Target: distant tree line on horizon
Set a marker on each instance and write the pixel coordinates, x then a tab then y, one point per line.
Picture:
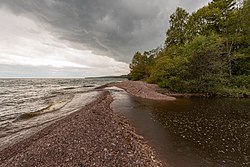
207	51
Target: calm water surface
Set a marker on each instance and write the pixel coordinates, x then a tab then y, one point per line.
192	132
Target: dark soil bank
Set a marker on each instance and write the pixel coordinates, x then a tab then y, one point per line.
93	136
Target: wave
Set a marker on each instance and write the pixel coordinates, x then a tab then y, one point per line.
48	109
69	88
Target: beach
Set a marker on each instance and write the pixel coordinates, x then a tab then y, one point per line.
92	136
140	89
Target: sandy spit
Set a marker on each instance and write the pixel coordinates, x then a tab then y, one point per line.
92	136
140	89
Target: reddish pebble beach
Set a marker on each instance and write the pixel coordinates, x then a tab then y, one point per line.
92	136
141	89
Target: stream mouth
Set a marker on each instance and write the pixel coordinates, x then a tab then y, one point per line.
191	132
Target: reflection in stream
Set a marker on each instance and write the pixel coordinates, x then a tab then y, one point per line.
192	132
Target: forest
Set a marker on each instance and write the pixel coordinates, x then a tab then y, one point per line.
207	51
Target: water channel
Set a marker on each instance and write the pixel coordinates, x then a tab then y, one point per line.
191	132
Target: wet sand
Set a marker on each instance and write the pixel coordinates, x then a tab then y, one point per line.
140	89
92	136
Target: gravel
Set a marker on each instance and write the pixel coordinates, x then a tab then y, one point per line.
92	136
141	89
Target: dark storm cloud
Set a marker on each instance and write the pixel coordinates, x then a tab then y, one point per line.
114	28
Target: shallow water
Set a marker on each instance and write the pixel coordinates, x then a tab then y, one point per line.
192	132
28	105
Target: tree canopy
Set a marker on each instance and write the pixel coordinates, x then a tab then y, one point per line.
207	51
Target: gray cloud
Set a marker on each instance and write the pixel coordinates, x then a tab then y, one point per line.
114	28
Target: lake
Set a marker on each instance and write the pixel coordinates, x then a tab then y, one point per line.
28	105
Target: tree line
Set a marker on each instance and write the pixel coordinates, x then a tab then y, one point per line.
207	51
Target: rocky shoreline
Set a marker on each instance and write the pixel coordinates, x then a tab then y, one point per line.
92	136
140	89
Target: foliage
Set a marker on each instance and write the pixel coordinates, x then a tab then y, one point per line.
176	34
141	65
207	51
206	65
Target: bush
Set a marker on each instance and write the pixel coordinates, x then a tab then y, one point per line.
241	81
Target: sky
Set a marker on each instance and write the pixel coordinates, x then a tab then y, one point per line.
80	38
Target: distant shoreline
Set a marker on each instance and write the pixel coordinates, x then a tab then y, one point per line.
105	77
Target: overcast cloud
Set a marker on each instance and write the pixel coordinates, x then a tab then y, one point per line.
80	37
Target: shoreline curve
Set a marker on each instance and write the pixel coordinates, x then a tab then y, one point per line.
140	89
92	136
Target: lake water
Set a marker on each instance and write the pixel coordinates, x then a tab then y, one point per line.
28	105
191	132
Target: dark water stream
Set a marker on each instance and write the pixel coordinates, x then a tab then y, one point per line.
192	132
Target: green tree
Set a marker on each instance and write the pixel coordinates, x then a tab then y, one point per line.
137	67
207	68
176	34
210	19
169	72
206	52
140	66
241	64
